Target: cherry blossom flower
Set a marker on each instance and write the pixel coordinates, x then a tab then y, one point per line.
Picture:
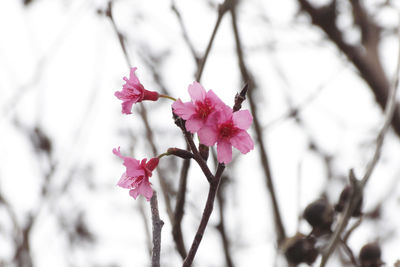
134	92
227	129
197	111
136	177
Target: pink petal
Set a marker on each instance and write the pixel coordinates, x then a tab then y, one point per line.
125	181
242	119
224	152
127	107
212	119
184	110
133	168
194	124
196	92
117	152
146	190
208	135
224	113
134	192
243	142
214	99
143	189
132	76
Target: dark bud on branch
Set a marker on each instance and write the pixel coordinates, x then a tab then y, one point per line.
300	249
370	255
204	151
344	198
319	214
180	153
240	97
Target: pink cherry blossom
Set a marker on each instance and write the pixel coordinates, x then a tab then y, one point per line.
134	92
136	177
227	129
197	111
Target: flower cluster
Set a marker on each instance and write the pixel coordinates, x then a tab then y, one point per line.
215	122
209	117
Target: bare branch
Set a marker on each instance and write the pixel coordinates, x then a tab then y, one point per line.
157	226
257	126
359	185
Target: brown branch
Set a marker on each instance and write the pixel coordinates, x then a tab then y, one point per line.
359	185
257	126
349	253
215	180
157	226
221	225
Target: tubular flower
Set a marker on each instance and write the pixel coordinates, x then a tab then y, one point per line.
136	177
134	92
197	111
227	129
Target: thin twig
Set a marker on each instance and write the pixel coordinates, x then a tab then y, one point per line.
179	210
257	126
206	216
157	226
359	185
221	12
184	32
221	226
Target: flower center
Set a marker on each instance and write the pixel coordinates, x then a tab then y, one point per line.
135	91
136	181
203	109
227	130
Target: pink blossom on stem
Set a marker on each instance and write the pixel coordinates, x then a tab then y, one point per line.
197	111
136	177
227	129
134	92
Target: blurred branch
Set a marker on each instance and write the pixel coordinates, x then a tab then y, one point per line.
257	126
157	226
179	209
185	33
214	183
150	136
164	186
222	9
221	225
214	180
365	59
359	185
146	225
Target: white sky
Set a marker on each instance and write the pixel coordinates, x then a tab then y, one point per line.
60	64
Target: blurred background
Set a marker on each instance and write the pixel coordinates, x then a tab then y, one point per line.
318	73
